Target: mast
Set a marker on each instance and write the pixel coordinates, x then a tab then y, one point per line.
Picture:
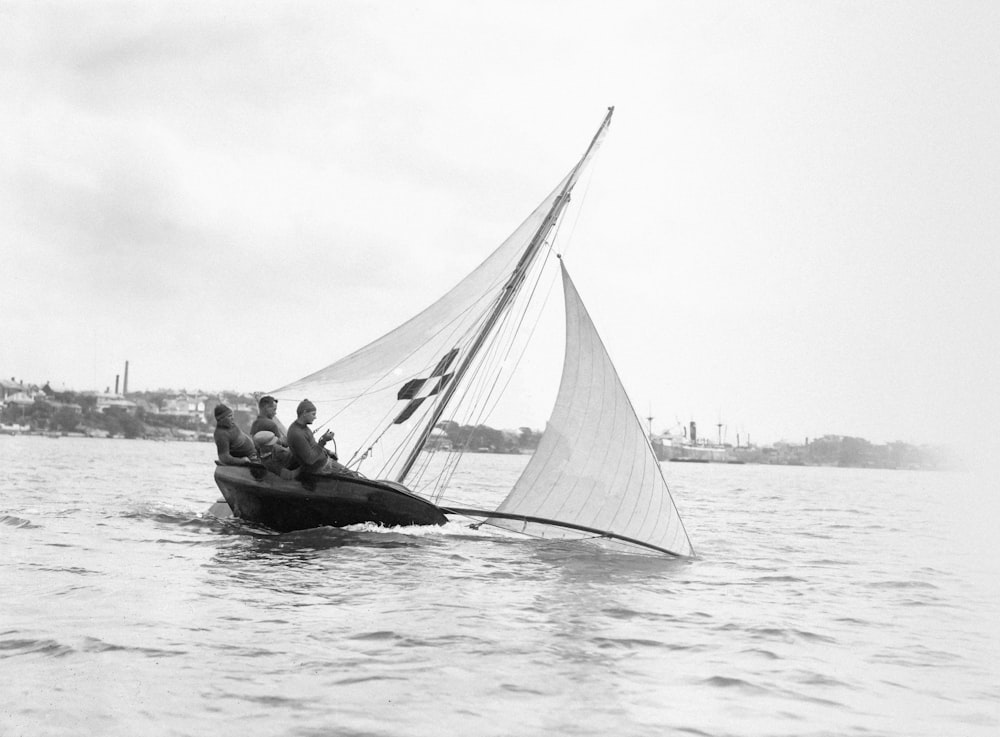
510	291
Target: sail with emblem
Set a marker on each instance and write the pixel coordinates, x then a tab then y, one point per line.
594	474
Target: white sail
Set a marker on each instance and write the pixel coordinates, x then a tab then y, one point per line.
384	399
594	473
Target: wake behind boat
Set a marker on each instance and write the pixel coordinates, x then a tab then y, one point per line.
594	475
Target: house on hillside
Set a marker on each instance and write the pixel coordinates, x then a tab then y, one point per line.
184	405
106	401
9	387
438	440
72	407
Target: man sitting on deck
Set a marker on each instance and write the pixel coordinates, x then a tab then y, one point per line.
235	446
310	453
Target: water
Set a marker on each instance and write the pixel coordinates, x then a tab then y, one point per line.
822	602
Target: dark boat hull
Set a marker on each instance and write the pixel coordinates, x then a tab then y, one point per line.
328	501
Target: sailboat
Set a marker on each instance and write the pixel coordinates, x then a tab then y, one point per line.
594	475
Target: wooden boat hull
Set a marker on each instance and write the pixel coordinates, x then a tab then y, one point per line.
328	501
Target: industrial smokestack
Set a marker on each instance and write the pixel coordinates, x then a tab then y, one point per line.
116	383
125	383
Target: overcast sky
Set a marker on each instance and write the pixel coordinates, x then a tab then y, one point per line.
792	227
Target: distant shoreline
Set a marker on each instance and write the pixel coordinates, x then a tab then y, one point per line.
741	456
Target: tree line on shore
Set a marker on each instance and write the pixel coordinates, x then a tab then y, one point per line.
853	452
80	412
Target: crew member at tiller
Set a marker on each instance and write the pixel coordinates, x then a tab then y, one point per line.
309	452
235	446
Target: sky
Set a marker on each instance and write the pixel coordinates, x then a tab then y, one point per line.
791	229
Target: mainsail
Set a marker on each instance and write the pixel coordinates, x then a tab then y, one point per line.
594	472
386	398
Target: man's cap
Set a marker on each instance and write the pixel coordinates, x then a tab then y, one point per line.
220	410
266	399
264	437
304	406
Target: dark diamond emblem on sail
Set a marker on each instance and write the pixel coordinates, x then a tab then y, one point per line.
417	390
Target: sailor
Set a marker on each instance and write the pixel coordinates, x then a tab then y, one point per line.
275	457
267	407
235	446
310	453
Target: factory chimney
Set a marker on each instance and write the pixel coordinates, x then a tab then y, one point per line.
125	382
116	383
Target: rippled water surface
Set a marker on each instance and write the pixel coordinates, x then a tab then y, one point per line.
822	602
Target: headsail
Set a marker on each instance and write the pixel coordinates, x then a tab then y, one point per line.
594	471
385	398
